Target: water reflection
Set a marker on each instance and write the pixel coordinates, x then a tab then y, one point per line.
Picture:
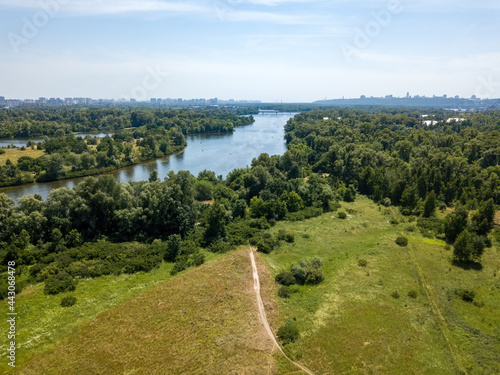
220	153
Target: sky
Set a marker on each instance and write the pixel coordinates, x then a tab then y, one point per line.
269	50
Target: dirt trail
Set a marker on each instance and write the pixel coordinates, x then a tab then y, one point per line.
262	313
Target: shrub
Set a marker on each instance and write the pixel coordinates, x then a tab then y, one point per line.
173	248
179	265
465	294
266	244
219	247
62	282
284	292
341	215
68	301
283	236
402	241
395	294
285	278
386	202
362	262
412	294
288	332
196	260
308	271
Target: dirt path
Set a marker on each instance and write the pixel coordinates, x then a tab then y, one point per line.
263	317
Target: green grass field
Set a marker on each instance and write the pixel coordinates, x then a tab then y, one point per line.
351	324
205	320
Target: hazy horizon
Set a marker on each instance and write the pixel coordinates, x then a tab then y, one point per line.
268	50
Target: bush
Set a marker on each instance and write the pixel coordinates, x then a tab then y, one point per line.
285	278
395	294
412	294
362	262
465	294
304	214
402	241
341	215
308	271
196	260
62	282
68	301
288	332
219	247
179	266
287	237
266	244
284	292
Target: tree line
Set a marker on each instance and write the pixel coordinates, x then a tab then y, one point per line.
332	156
70	156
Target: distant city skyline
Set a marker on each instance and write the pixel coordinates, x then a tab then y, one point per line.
271	50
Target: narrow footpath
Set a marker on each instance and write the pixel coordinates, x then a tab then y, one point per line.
263	317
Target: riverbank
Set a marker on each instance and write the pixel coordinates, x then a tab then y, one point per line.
218	152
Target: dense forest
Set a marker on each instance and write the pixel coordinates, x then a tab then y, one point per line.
332	156
43	121
140	135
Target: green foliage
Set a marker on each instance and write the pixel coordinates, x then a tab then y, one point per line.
466	294
285	278
266	244
430	227
59	283
342	215
412	294
402	241
68	301
287	237
288	332
468	247
173	248
304	214
430	205
395	295
308	271
284	292
454	224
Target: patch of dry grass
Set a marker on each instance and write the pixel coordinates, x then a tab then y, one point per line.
13	154
203	321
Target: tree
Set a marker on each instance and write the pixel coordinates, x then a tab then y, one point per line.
288	332
216	222
173	248
483	220
454	224
468	247
430	205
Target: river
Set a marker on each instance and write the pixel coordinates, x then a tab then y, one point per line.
220	153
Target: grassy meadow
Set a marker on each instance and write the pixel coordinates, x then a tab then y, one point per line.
205	320
13	154
352	324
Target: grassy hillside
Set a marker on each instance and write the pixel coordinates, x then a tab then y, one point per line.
351	323
203	321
